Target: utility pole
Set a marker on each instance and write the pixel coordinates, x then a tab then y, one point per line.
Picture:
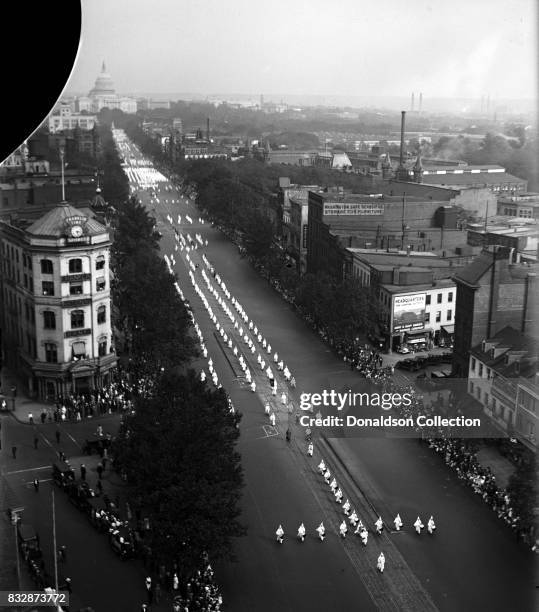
54	544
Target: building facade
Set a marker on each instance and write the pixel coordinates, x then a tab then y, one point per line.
494	291
56	304
502	377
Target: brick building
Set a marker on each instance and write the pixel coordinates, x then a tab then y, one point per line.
494	291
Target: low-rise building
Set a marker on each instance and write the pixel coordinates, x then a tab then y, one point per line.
63	118
522	205
503	378
496	290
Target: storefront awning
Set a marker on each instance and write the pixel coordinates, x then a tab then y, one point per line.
418	332
448	329
416	340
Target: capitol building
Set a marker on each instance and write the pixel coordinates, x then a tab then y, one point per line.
103	95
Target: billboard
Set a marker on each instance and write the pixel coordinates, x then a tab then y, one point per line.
409	312
353	208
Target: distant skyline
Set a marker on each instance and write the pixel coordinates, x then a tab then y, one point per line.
345	49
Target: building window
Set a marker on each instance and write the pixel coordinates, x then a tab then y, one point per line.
480	369
49	320
46	266
75	266
77	319
438	316
101	315
449	315
427	301
100	263
427	317
100	284
102	348
450	296
75	288
473	365
471	387
439	298
78	351
51	353
47	287
478	392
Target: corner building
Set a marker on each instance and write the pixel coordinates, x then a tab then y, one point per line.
56	305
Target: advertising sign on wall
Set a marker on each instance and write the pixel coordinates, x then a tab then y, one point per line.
353	208
409	312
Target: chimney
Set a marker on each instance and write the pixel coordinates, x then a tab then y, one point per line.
420	102
401	154
208	129
412	107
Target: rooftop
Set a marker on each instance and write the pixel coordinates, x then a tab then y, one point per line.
53	223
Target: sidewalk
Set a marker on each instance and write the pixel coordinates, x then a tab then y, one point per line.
23	404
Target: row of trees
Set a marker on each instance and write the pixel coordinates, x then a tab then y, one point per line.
178	449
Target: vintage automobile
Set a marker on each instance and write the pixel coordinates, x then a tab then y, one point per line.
80	493
28	541
97	445
122	543
62	473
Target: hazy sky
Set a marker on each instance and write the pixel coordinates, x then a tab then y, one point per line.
446	48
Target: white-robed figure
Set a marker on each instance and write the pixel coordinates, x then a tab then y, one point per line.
364	535
346	507
321	531
338	496
275	358
379	525
398	522
418	525
431	526
269	349
280	365
280	534
248	378
353	518
310	449
283	398
272	419
202	376
274	388
301	532
359	527
343	529
322	466
286	373
381	562
333	485
253	386
327	475
267	409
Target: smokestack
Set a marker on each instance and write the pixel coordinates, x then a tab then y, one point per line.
401	154
420	101
412	108
208	129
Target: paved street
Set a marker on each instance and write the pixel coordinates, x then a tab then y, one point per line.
465	566
99	577
473	562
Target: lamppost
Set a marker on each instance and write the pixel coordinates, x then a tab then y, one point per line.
62	157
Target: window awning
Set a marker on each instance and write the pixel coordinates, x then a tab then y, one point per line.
416	340
448	329
419	332
79	348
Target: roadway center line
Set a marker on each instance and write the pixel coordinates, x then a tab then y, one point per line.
44	467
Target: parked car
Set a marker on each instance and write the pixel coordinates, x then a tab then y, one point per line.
62	473
409	364
403	350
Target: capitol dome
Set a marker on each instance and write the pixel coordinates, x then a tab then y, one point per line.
103	84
